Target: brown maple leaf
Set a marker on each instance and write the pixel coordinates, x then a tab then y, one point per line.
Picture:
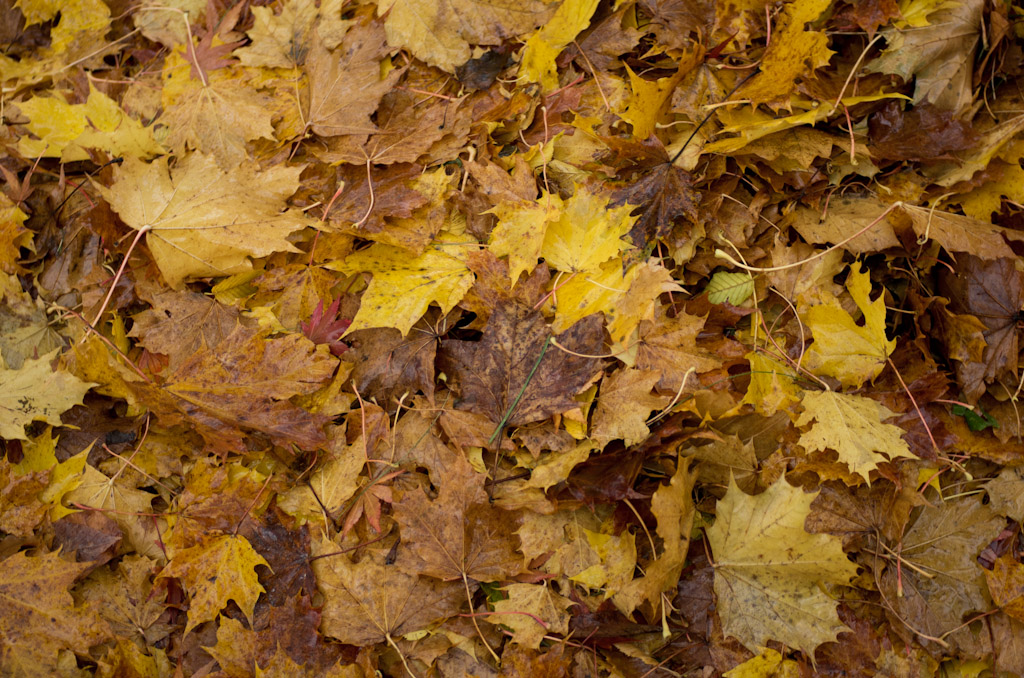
662	195
993	292
513	376
459	535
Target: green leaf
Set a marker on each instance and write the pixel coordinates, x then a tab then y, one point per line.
732	287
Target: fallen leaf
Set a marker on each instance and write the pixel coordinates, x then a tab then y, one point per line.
586	234
624	403
854	427
543	47
216	115
672	506
937	55
284	39
514	374
201	221
440	34
532	611
36	393
403	287
794	53
769	570
993	292
214	571
345	86
843	349
458	535
40	616
371	601
944	541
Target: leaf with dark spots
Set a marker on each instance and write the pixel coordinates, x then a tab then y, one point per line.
291	626
505	372
247	384
90	535
924	133
993	292
867	15
182	323
458	534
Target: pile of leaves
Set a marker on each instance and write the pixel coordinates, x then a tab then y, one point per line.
511	338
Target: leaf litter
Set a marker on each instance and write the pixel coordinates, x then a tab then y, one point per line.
511	339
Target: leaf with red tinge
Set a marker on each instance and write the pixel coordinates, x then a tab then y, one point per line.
327	327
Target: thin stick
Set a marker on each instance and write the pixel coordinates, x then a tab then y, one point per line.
391	642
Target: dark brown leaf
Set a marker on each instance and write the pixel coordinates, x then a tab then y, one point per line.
663	195
924	133
993	292
505	373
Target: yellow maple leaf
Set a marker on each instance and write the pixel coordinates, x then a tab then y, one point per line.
218	569
587	233
751	123
771	384
853	426
36	393
843	349
13	235
617	561
589	292
65	131
202	221
402	287
519	233
80	27
217	115
544	46
648	101
769	571
793	54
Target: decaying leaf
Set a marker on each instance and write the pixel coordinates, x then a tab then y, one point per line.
424	338
218	569
515	374
36	392
40	616
769	570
